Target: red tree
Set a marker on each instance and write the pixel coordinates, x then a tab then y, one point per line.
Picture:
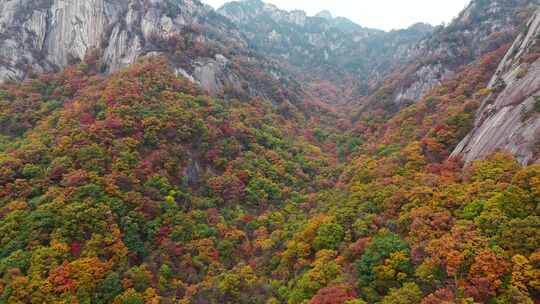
333	295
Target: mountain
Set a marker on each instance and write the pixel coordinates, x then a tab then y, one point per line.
482	27
471	80
322	49
46	36
156	151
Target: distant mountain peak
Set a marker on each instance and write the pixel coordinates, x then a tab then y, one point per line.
325	14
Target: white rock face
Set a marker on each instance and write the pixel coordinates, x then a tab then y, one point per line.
209	73
47	35
75	27
429	76
508	120
298	17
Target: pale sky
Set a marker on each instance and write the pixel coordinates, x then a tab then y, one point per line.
381	14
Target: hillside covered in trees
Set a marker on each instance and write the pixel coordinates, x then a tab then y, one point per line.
138	185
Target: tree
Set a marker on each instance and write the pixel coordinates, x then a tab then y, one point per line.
428	223
109	288
333	295
130	296
486	275
512	295
140	278
237	284
325	269
410	293
394	271
381	247
498	167
329	236
526	273
520	235
133	234
441	296
228	186
261	191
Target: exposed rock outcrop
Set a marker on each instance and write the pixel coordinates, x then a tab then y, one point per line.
509	119
482	27
47	35
428	77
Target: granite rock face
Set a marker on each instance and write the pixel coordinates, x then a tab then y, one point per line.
46	35
481	28
427	78
509	119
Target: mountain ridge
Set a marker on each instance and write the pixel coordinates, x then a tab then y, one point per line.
323	49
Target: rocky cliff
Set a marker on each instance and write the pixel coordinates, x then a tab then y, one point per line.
324	49
46	35
43	35
482	27
509	119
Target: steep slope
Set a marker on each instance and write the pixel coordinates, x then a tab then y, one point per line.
482	27
135	188
50	34
509	118
501	85
45	36
324	51
134	176
437	122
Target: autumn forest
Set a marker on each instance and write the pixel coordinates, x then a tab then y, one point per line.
138	186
